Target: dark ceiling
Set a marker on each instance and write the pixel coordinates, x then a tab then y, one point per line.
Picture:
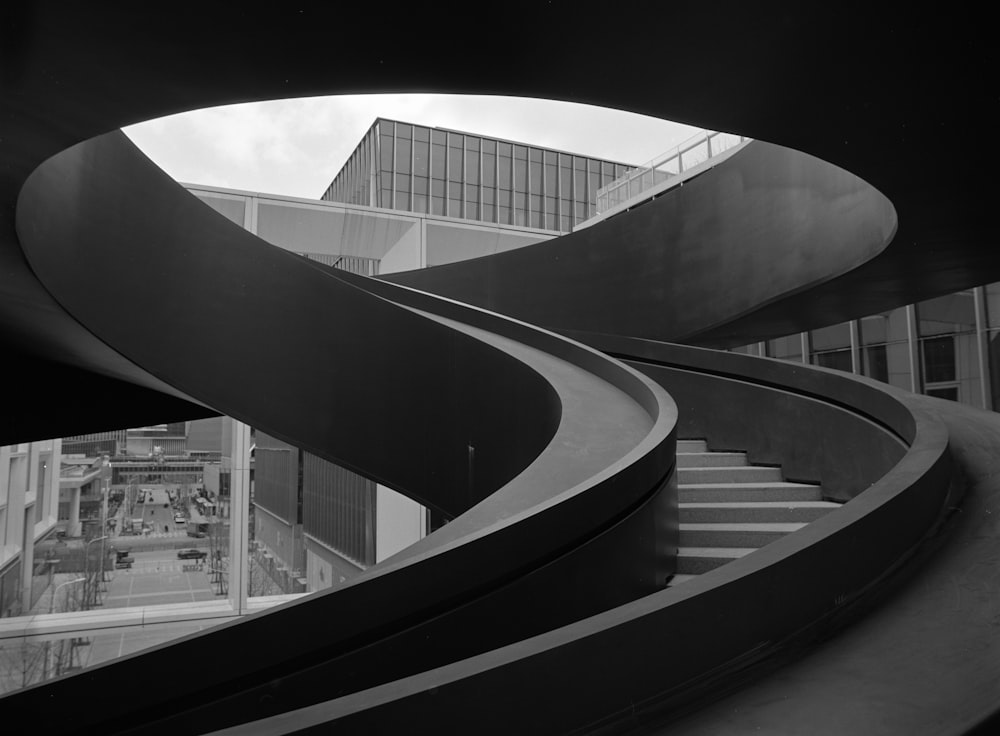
905	100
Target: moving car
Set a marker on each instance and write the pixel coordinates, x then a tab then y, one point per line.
191	554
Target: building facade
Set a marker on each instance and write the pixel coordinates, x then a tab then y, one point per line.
29	508
947	347
436	171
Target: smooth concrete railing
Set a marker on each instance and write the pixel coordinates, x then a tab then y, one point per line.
528	552
667	650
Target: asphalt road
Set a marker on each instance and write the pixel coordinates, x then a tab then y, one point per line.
156	577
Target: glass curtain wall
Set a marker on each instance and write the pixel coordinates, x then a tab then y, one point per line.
949	357
786	348
947	347
414	168
991	340
830	347
885	348
232	520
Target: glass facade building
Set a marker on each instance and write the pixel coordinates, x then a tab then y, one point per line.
434	171
948	347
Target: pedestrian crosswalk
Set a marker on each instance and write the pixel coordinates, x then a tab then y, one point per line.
146	567
158	535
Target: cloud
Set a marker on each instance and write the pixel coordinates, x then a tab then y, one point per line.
295	147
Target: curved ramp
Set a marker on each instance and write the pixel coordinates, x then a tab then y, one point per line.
71	73
554	458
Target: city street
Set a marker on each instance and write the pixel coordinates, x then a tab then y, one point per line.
156	577
154	508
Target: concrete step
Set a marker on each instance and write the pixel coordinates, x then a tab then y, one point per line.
678	579
698	560
749	512
748	492
711	459
733	535
747	474
692	446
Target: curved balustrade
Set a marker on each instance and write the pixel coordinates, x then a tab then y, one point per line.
572	452
539	610
675	646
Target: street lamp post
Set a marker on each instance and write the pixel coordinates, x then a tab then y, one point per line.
86	568
104	518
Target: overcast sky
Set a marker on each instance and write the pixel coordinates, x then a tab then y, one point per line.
296	147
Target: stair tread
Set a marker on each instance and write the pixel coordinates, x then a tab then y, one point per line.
709	453
749	485
729	474
732	553
759	505
678	579
758	526
702	460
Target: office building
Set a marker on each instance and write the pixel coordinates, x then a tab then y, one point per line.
30	511
945	347
436	171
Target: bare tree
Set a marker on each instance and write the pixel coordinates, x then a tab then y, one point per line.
259	580
218	555
22	663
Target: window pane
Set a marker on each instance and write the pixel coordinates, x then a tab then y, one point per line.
505	165
939	359
993	353
947	314
565	177
520	169
551	174
992	294
420	157
838	359
535	172
948	345
536	210
830	338
875	362
402	156
472	167
786	348
438	152
471	202
489	169
385	155
950	393
884	339
455	145
831	347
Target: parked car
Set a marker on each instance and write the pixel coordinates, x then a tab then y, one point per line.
123	559
179	519
191	554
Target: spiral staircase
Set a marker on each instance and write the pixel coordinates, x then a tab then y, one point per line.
554	602
729	508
